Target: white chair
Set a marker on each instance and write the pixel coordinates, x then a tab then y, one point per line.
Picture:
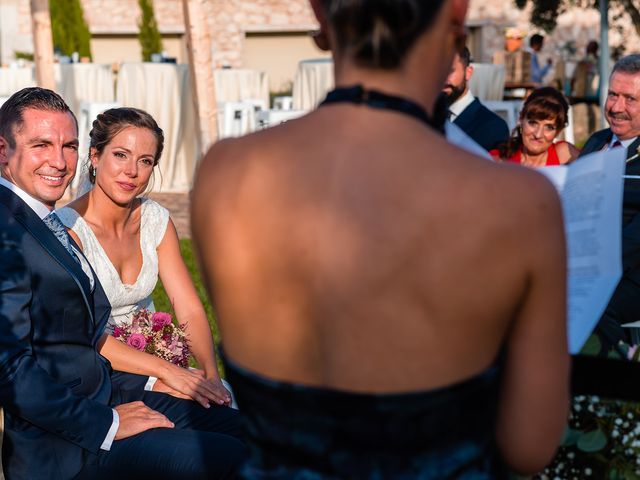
270	118
568	133
283	103
487	81
508	110
238	118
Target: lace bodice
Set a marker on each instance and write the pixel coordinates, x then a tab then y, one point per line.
124	298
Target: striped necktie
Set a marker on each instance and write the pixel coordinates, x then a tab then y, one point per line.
53	222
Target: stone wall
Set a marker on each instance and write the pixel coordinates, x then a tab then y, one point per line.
230	19
121	16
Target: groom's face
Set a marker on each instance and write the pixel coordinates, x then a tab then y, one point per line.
43	159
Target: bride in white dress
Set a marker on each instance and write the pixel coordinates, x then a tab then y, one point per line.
130	241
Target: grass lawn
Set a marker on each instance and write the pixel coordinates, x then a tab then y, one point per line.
162	303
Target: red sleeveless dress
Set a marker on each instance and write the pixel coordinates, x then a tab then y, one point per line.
552	157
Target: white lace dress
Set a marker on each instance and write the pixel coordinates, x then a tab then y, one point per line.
124	298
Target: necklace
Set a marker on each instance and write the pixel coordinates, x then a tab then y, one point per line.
375	99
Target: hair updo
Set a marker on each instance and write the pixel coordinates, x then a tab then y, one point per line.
379	33
111	122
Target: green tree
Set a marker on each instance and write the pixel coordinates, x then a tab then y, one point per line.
69	29
149	35
544	13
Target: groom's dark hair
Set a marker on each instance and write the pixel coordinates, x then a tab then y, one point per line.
37	98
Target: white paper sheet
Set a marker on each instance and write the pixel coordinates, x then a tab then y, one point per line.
591	192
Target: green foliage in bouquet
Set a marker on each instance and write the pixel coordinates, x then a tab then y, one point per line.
149	35
68	28
602	440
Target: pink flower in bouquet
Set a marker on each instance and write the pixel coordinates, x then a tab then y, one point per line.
137	341
159	320
156	334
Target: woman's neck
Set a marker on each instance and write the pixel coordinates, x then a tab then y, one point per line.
533	160
390	83
108	214
419	78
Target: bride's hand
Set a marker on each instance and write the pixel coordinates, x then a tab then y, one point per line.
221	391
192	384
223	396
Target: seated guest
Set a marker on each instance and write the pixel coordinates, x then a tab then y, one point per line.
481	124
64	417
364	335
543	117
622	111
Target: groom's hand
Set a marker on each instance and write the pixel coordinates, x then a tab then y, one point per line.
136	417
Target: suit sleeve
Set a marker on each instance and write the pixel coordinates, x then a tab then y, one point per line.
497	131
27	391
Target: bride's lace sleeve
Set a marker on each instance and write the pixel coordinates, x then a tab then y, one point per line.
154	221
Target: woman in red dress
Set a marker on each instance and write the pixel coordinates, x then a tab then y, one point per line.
543	117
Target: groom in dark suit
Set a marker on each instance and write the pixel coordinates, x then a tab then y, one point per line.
622	111
485	127
63	416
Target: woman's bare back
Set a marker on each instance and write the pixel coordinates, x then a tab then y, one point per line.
358	250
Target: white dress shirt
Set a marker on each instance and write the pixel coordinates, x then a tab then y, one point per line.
41	210
625	143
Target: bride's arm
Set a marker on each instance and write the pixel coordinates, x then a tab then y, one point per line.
187	306
182	382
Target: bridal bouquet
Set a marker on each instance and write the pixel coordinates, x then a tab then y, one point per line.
155	333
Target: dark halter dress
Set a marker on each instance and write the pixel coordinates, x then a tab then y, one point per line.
308	433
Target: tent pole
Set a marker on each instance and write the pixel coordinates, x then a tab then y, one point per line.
201	71
42	43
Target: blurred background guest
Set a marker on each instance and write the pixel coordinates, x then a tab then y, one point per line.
538	72
481	124
513	39
542	118
585	81
391	306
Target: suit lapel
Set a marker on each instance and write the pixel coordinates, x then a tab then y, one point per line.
36	227
467	114
634	149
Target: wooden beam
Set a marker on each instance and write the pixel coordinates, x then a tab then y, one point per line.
42	43
201	71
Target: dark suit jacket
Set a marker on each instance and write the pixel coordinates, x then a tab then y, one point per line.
483	125
630	204
54	386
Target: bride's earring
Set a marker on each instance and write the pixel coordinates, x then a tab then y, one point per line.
92	172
